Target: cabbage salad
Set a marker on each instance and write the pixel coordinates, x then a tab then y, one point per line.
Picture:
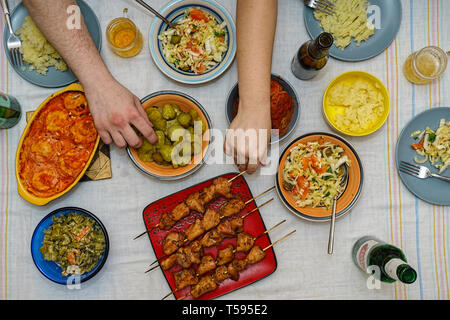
433	146
197	44
313	173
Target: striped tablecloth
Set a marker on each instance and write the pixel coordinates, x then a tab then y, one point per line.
386	208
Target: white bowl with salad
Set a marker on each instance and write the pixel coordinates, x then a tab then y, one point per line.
200	48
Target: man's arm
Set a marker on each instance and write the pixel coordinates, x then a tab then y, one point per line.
114	108
256	24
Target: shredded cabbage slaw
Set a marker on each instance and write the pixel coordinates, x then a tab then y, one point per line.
312	173
197	44
433	146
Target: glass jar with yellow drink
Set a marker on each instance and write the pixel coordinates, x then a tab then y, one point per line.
124	38
425	65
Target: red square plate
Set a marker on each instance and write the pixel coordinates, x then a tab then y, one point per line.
253	224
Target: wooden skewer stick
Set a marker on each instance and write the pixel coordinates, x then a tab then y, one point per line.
234	251
237	176
279	240
157	225
186	240
259	195
270	229
186	295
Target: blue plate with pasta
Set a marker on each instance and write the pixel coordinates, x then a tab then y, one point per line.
54	78
431	190
69	246
201	48
386	16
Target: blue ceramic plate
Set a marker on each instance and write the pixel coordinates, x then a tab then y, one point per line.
390	15
54	78
234	94
173	11
432	190
49	268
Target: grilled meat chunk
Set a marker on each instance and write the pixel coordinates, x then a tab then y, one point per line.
194	202
244	242
255	255
166	222
208	263
231	207
204	285
221	274
210	219
235	267
179	212
184	278
195	230
169	262
172	242
211	238
223	187
225	255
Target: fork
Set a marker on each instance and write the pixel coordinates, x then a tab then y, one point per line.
419	171
156	13
322	5
13	43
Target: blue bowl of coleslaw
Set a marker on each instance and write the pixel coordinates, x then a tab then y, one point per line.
207	44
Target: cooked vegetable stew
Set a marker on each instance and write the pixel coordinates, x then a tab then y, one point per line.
75	242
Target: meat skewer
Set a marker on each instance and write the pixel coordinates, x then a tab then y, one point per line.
227	228
197	202
244	242
208	283
224	257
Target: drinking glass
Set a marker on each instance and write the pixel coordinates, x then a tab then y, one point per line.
425	65
124	38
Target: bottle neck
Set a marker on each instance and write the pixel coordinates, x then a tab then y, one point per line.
398	269
319	47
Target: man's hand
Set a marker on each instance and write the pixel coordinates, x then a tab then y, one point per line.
116	111
248	137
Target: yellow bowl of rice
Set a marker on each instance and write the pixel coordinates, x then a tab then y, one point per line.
356	103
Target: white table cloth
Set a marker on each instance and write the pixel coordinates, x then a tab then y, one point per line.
386	208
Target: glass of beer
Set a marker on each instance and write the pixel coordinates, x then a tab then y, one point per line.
124	38
425	65
10	111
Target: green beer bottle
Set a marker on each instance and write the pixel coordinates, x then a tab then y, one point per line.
10	111
369	253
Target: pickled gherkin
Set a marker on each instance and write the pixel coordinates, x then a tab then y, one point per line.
75	242
168	112
173	126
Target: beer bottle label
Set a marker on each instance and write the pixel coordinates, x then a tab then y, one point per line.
362	255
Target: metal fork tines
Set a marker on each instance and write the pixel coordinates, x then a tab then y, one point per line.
13	44
420	172
325	6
